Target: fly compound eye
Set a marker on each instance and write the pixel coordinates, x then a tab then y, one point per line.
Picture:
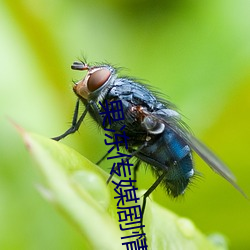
97	79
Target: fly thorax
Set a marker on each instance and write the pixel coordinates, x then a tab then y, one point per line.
152	125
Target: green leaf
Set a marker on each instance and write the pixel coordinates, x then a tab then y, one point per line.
78	189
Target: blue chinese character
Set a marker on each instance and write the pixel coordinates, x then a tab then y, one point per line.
129	193
130	223
116	141
123	165
133	212
114	112
139	244
119	155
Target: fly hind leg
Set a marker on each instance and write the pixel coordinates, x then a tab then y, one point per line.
148	192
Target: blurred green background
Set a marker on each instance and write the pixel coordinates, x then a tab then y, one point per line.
196	52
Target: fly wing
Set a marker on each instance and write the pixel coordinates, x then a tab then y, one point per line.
208	156
175	124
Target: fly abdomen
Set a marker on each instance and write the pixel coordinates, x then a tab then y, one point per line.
168	154
178	149
178	176
180	166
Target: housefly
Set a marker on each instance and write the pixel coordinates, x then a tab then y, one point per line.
157	135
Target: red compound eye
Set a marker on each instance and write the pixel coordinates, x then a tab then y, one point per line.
97	79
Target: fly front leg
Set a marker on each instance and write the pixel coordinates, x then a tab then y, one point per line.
96	113
75	123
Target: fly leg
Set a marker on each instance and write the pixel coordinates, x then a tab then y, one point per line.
75	124
132	154
148	192
96	110
137	165
103	158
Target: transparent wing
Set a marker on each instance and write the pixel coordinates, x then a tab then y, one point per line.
175	124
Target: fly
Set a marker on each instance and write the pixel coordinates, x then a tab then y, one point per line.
157	135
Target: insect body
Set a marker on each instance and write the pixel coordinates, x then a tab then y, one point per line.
157	136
